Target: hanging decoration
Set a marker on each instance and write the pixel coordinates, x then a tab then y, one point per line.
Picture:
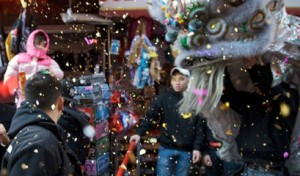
139	58
123	117
16	40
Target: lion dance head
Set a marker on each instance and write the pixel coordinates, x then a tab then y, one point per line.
211	34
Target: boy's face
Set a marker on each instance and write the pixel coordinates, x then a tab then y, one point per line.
179	82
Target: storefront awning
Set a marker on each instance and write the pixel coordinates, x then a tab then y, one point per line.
124	8
84	18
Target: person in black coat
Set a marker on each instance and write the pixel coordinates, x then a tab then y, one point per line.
75	124
181	136
268	118
37	146
7	112
214	165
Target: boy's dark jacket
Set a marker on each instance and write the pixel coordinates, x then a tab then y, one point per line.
265	132
177	131
38	147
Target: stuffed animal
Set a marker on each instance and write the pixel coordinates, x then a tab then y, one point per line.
142	73
155	67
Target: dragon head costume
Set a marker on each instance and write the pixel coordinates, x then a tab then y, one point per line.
213	34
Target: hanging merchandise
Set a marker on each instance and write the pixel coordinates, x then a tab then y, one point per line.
139	59
129	119
115	123
17	37
155	67
123	118
3	58
115	47
142	72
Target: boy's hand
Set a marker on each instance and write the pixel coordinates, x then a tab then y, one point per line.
207	160
196	156
4	139
136	138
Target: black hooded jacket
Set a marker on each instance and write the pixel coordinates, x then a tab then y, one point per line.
73	123
37	147
178	131
265	131
6	114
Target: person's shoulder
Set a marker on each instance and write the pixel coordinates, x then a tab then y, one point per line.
37	134
164	91
34	138
162	94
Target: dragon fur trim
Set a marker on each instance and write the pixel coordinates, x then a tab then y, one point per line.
219	30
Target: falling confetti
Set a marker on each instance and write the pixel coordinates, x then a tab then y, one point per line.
286	60
285	155
284	110
229	132
164	125
53	106
186	115
142	151
278	126
225	106
24	166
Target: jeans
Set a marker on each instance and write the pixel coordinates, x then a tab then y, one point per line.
220	167
260	171
172	162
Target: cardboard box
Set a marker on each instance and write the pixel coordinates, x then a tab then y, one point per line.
103	164
102	129
102	146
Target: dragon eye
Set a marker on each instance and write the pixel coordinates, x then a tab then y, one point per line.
257	20
236	3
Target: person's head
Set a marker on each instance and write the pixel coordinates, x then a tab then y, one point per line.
68	92
179	79
40	40
43	91
261	78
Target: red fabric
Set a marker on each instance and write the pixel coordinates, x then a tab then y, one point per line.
115	123
115	98
11	85
293	11
7	90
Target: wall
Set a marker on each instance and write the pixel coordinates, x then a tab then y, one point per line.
292	3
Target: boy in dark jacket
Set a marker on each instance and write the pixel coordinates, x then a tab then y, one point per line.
37	147
268	118
181	136
214	165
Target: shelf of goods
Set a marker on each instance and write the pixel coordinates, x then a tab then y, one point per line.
93	97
